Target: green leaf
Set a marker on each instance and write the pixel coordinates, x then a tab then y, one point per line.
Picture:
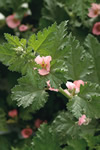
51	12
78	61
15	54
86	102
93	47
14	40
57	74
80	7
77	144
30	91
50	41
26	113
93	141
37	42
3	124
65	126
4	143
45	140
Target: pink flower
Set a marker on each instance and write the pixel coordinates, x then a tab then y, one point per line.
50	88
38	122
94	11
13	113
12	22
27	132
75	85
23	27
44	62
96	28
82	120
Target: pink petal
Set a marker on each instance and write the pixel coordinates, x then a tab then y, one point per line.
43	72
52	89
70	85
48	83
38	60
78	83
47	59
82	120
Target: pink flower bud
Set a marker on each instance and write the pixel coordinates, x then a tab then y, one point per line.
82	120
38	122
13	113
27	132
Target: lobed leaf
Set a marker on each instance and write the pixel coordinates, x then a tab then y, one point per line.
30	91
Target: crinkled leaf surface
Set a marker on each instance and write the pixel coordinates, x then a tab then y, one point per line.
93	47
86	102
15	54
30	91
50	41
64	126
77	144
80	7
44	139
51	12
78	61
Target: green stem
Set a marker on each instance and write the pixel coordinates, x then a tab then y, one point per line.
64	93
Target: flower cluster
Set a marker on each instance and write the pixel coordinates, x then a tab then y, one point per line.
13	23
73	88
94	12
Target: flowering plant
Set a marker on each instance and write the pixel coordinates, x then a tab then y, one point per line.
60	61
55	103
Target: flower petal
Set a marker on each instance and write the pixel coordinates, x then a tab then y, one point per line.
43	72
